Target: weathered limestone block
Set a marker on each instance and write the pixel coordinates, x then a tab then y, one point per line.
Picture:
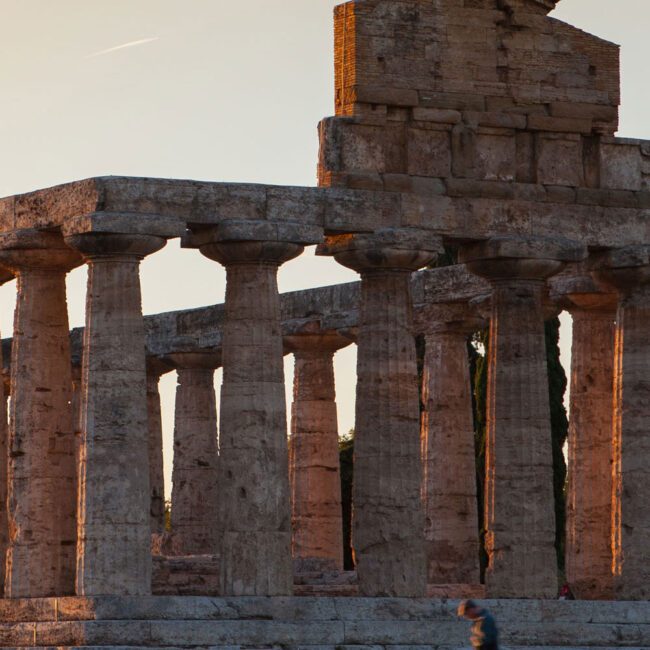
5	276
254	507
519	511
448	456
589	493
156	368
41	473
388	526
194	520
628	271
114	527
314	471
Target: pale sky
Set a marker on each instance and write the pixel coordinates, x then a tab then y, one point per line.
204	89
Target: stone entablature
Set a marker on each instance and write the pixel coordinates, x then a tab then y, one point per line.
609	212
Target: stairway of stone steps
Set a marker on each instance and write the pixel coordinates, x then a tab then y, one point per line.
306	623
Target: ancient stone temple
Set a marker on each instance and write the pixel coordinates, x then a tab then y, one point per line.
482	127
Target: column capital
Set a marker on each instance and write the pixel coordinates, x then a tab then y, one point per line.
459	318
315	344
392	249
157	367
581	293
552	306
253	241
199	360
35	250
514	258
95	246
624	270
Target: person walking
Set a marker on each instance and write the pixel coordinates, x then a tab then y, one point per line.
485	635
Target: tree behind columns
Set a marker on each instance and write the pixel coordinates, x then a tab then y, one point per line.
557	384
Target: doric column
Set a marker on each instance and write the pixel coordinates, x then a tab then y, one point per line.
519	506
589	492
314	471
114	529
5	276
388	526
156	368
42	472
194	517
628	271
254	509
448	455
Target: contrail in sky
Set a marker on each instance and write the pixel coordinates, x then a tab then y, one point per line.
142	41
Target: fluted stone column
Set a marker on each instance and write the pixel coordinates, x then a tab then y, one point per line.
5	276
114	529
156	368
254	508
448	455
628	271
589	491
519	506
314	469
388	525
194	517
41	471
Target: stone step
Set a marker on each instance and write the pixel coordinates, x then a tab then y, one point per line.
320	647
313	623
310	608
273	633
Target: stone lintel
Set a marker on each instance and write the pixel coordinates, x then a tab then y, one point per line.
462	209
122	223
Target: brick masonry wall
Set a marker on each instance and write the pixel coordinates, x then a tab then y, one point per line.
484	90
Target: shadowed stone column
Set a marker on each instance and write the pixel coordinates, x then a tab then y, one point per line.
156	368
114	527
628	271
194	518
519	506
314	470
388	526
589	493
41	472
448	455
5	276
254	508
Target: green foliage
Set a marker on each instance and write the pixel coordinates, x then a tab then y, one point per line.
479	376
557	384
168	516
346	458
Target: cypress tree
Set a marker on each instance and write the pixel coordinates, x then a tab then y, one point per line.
346	459
557	384
479	376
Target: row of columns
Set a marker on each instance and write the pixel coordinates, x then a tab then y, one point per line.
117	508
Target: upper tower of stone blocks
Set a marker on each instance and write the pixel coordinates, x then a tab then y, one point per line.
492	56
